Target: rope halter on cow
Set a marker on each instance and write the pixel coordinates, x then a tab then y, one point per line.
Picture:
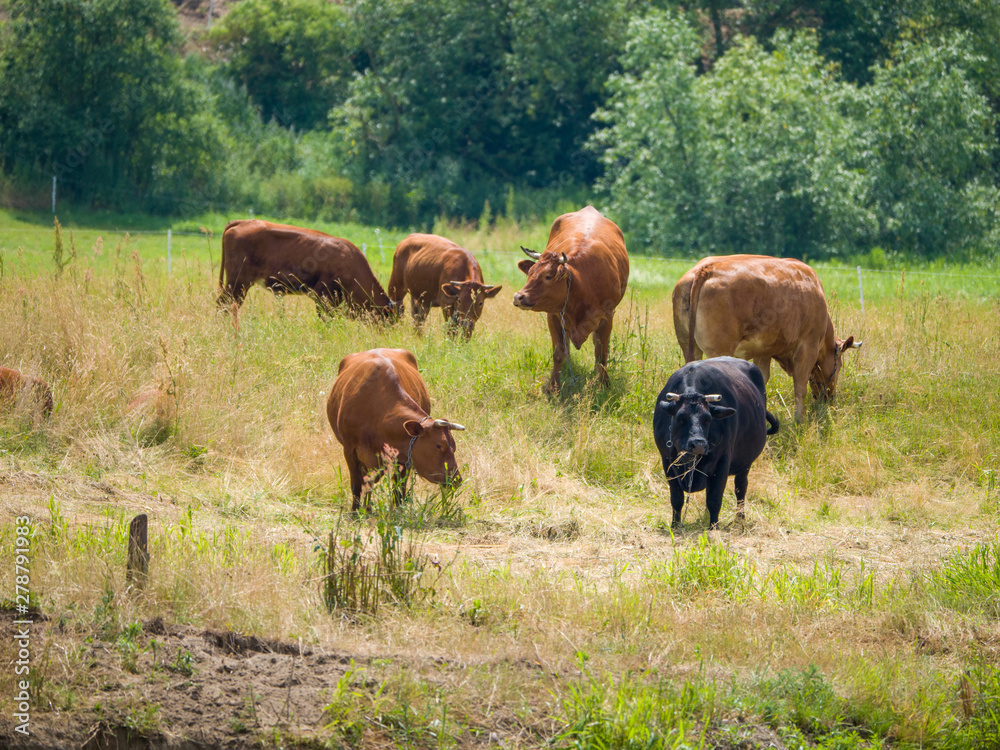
408	464
824	385
686	462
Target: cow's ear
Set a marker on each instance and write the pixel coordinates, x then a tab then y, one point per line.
847	343
450	290
492	291
670	407
413	428
525	265
720	412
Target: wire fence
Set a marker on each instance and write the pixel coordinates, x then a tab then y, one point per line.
950	282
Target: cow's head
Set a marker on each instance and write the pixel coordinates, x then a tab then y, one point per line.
385	309
468	298
432	451
547	287
691	416
823	378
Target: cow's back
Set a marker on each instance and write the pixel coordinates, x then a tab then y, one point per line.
748	305
595	247
297	259
369	385
422	262
276	249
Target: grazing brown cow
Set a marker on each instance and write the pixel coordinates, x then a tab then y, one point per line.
438	273
379	400
296	260
578	281
17	388
761	308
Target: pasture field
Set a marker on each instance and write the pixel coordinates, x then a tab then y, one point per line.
544	602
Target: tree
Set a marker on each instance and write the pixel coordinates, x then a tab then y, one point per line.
784	176
460	98
560	57
928	145
756	156
93	92
652	146
293	56
855	34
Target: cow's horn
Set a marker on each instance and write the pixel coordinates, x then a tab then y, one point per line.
713	398
672	397
456	283
449	425
857	344
531	253
563	260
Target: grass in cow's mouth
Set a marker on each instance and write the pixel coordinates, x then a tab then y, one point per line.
854	609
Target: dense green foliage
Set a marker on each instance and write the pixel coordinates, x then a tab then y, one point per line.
293	57
461	98
773	153
108	110
793	127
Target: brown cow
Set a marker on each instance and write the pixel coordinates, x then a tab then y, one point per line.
380	400
296	260
438	273
761	308
16	388
578	280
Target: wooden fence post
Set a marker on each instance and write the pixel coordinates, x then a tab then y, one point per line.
137	571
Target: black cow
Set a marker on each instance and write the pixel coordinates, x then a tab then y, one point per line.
710	422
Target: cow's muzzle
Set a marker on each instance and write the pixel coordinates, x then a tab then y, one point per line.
697	447
521	301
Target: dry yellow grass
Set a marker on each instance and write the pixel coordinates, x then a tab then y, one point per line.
565	554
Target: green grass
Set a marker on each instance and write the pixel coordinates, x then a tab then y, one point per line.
850	610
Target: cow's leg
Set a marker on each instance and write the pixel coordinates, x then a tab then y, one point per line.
559	351
326	300
419	309
800	380
451	326
399	486
714	490
740	485
602	347
764	365
234	294
396	289
676	501
357	473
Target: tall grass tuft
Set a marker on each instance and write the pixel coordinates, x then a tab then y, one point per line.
386	565
635	713
707	567
970	581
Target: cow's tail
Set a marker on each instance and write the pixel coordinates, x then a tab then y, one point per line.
222	260
772	422
696	284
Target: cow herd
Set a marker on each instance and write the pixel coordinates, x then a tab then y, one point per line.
709	422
